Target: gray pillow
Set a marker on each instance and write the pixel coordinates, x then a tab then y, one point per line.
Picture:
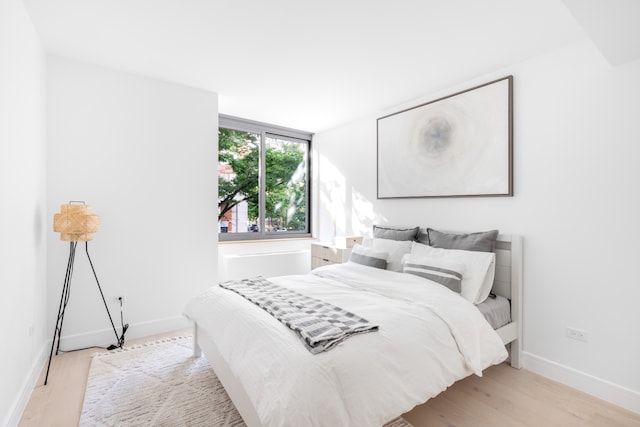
448	273
395	233
483	241
369	257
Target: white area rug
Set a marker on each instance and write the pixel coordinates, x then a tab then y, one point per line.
159	384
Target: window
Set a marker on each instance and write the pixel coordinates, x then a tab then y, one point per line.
263	181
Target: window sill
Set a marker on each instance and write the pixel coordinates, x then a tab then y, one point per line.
235	242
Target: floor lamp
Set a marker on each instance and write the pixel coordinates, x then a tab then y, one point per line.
76	223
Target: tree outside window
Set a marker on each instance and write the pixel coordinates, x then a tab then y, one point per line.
263	184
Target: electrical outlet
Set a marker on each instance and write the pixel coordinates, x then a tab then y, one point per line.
577	334
117	299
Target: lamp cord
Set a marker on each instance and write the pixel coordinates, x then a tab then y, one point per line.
120	340
65	301
124	328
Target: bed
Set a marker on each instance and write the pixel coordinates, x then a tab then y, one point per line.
274	380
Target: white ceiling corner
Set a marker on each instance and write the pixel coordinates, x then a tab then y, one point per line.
612	25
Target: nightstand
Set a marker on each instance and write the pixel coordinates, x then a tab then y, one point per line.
324	254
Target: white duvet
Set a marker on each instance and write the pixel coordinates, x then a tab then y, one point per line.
429	337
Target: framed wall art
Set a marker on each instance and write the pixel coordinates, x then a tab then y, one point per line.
460	145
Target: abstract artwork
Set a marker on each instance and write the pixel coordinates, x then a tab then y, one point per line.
460	145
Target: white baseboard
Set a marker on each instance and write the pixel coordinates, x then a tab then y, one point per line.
22	398
102	337
602	389
106	337
160	326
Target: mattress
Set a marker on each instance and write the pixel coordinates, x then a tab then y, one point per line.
496	310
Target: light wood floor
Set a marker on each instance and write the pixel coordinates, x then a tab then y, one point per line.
59	403
502	397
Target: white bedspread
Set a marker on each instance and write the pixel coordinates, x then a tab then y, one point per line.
429	337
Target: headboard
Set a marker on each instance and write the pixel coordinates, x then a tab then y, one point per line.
508	277
508	283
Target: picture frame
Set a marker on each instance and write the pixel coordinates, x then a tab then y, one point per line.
460	145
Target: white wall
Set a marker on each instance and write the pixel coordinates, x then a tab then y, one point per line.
143	154
577	204
23	209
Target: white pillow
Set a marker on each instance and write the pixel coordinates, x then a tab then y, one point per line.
447	272
395	249
479	269
368	257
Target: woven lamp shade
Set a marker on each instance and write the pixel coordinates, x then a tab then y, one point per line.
75	223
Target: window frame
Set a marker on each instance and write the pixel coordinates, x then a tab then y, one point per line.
266	130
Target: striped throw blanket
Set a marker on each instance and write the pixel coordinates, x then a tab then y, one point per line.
320	325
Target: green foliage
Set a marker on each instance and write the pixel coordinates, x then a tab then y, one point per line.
241	151
285	184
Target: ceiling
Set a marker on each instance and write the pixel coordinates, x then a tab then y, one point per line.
308	65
